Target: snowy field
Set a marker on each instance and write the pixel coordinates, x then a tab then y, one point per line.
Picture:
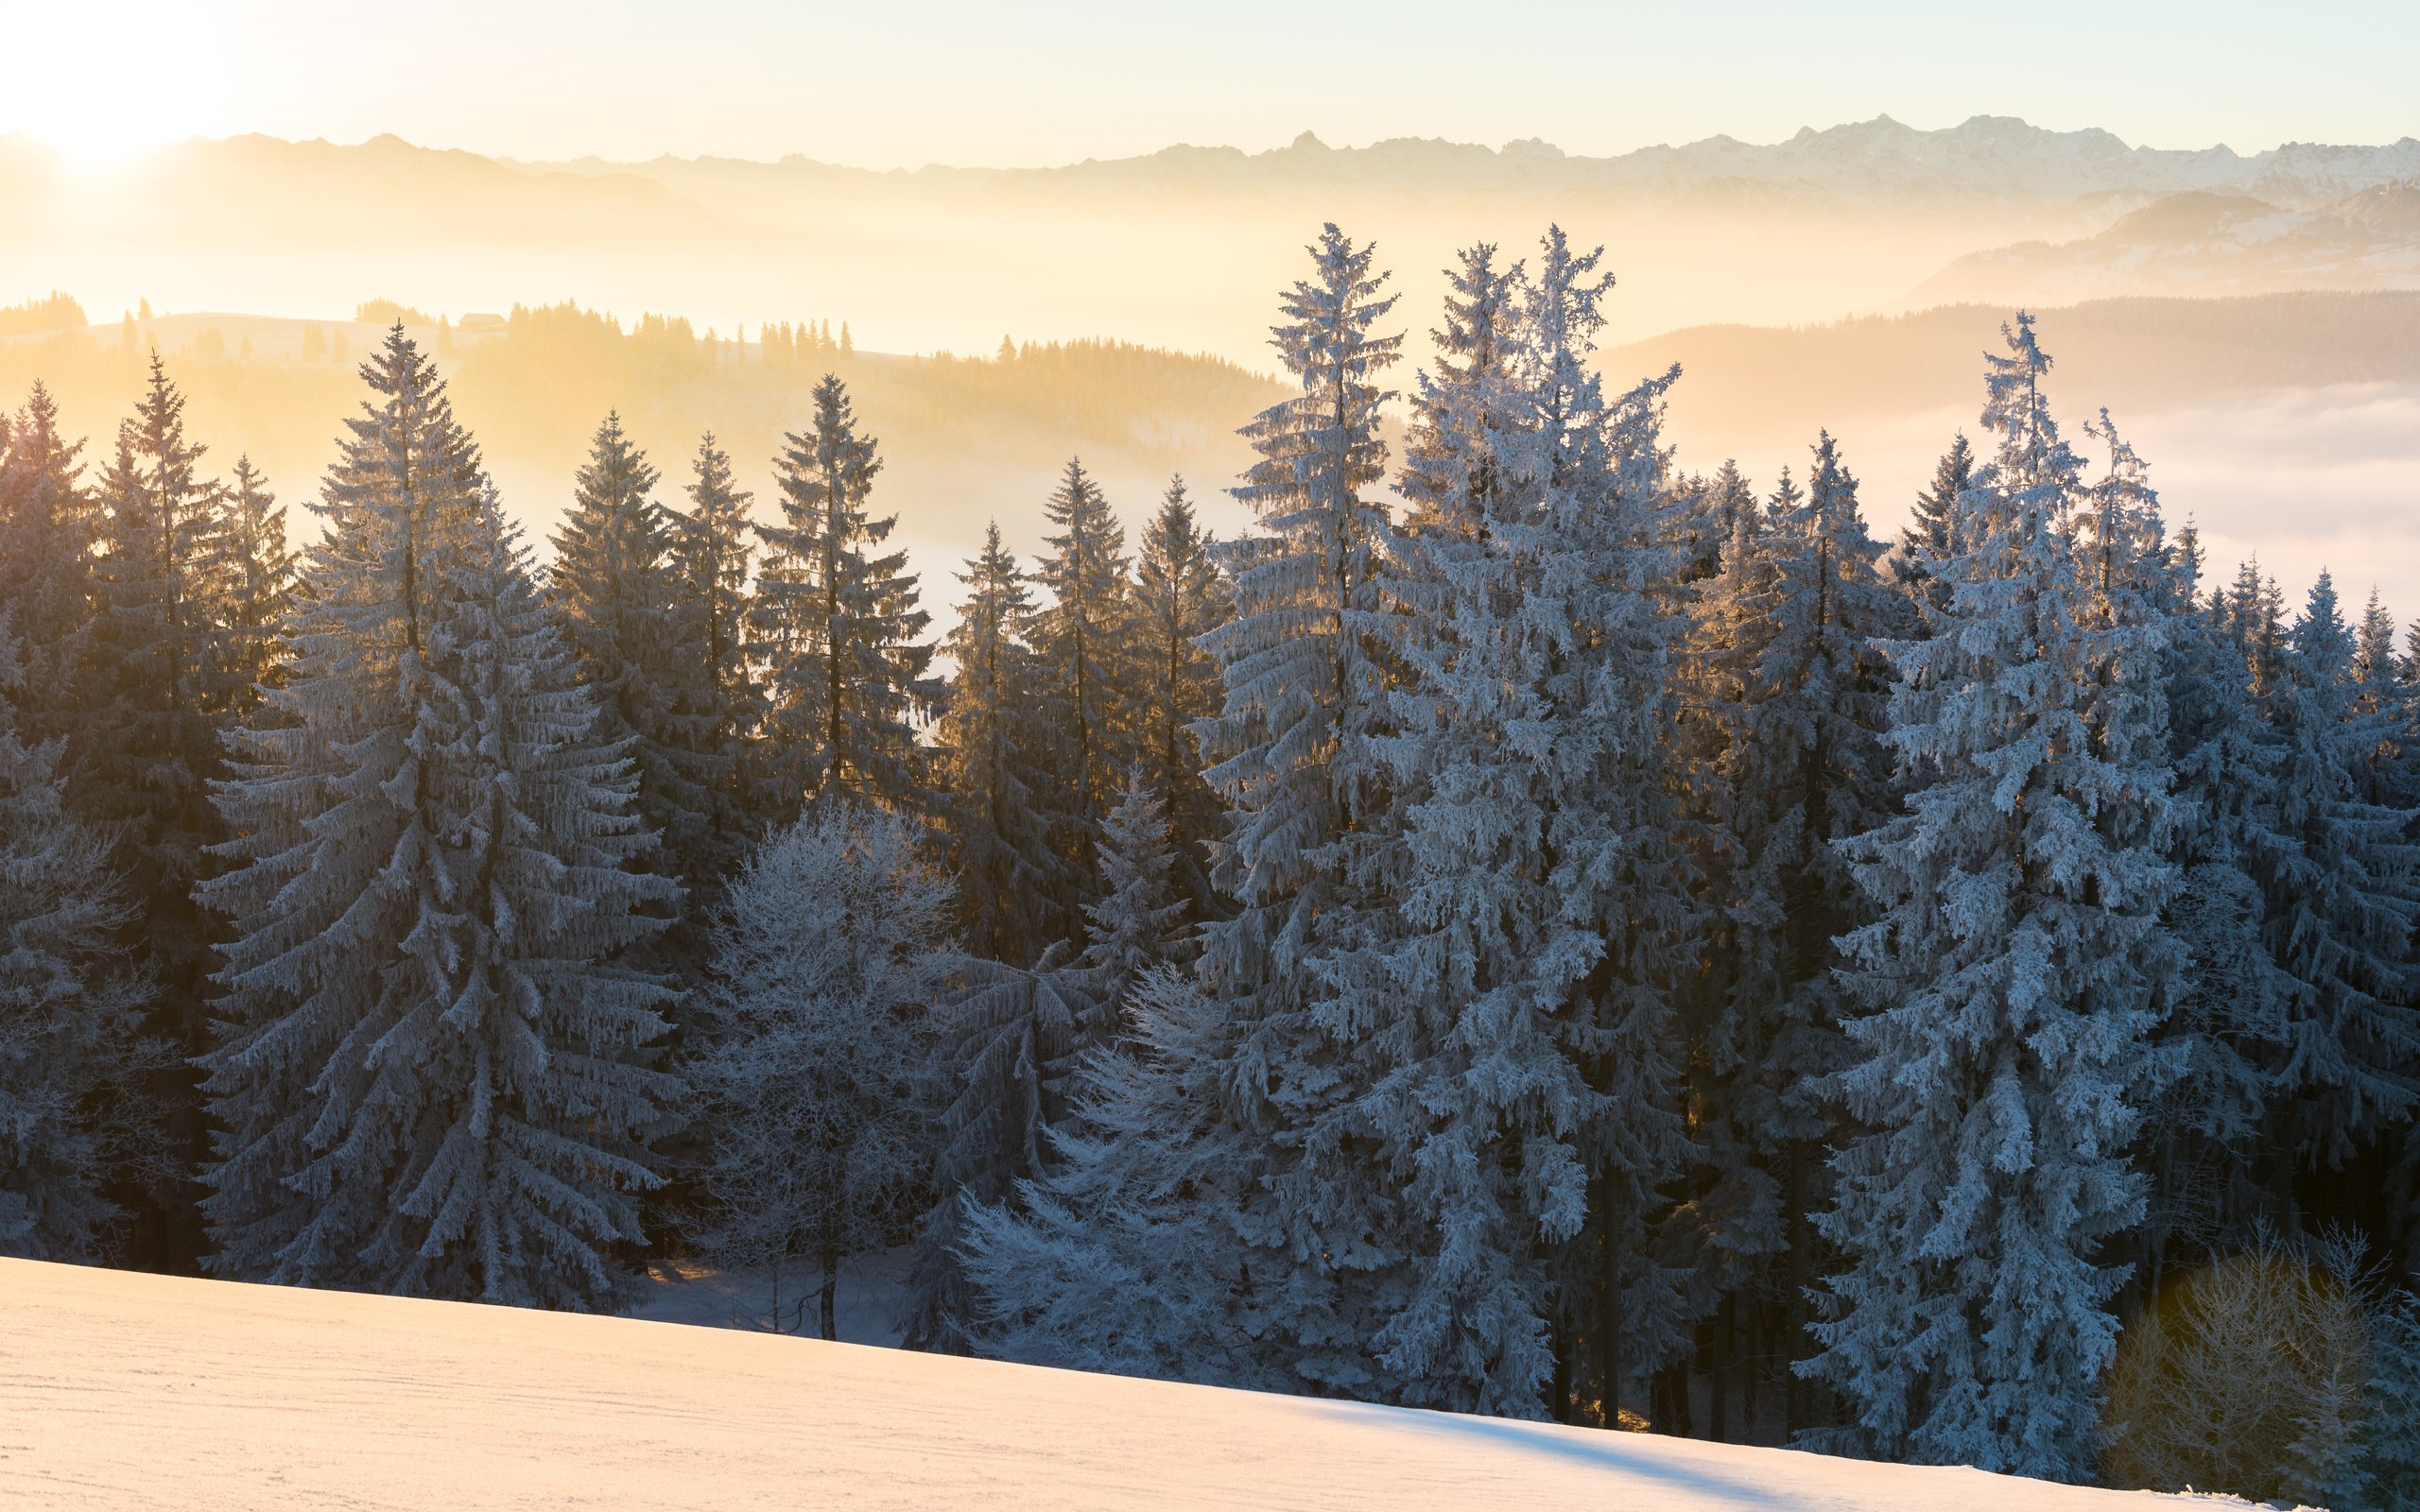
120	1390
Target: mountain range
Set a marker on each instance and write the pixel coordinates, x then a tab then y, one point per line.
1986	160
1182	247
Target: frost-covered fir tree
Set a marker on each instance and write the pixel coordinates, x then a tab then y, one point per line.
835	622
1528	1085
615	597
1613	825
1797	693
160	679
2342	902
258	581
1220	1217
2012	979
723	705
2384	699
1180	595
1016	896
1136	923
72	1055
48	531
1312	856
812	1071
433	1075
2254	611
1114	1262
1082	641
2383	1472
2228	1023
1465	408
1012	1039
1716	509
158	688
1927	540
1731	1218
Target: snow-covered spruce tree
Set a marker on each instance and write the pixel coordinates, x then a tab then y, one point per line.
1082	642
160	688
48	530
158	673
2012	979
812	1048
257	568
615	597
1312	856
2378	667
1122	1258
433	1075
1180	595
722	706
1716	506
1734	1206
2255	613
1928	539
836	626
1529	1089
1800	701
1015	895
2342	903
1476	1061
1216	1216
2384	1473
72	1055
1137	922
1615	829
1466	411
2227	1026
1012	1037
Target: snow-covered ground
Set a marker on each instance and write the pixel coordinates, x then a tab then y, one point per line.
121	1390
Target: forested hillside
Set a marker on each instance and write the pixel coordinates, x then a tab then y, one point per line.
1530	924
971	436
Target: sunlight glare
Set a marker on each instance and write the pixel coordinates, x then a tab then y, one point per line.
100	84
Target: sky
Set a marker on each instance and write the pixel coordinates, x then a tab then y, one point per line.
899	83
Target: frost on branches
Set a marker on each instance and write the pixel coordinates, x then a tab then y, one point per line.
432	1076
814	1037
2010	980
72	1057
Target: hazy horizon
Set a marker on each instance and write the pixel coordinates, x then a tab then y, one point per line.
933	82
117	157
1187	252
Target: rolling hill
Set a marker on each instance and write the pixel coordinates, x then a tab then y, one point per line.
2208	243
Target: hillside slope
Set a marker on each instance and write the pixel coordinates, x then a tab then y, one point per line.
2131	354
123	1390
2207	243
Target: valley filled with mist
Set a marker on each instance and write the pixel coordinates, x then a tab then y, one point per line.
2251	316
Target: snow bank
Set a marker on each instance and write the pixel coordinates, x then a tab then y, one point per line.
120	1390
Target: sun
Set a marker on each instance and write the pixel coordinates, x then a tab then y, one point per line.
102	83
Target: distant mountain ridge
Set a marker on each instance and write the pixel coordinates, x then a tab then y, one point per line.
1985	158
1181	248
